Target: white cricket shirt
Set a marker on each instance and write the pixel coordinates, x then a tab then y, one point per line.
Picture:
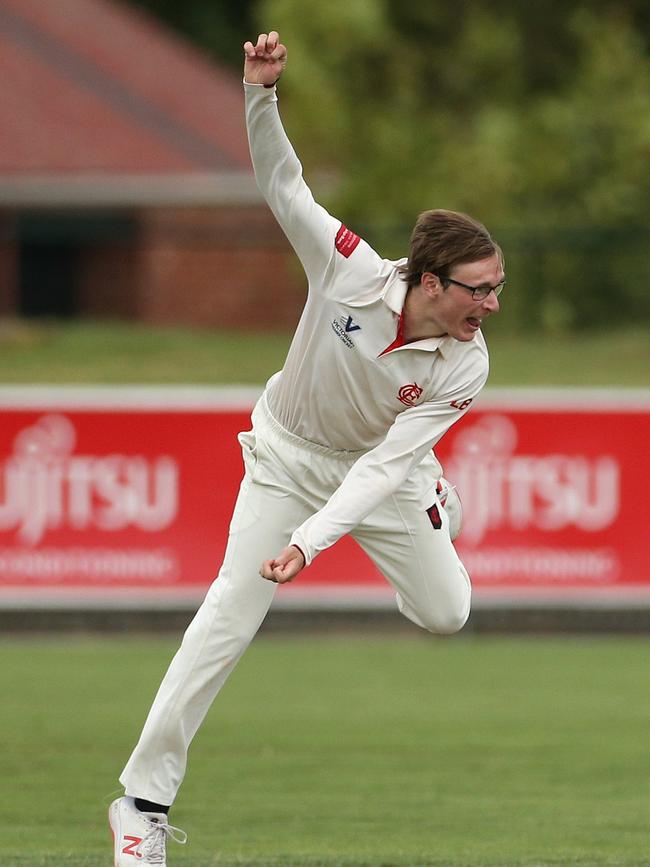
348	382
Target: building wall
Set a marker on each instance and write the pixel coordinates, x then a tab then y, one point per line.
107	283
8	267
213	267
218	267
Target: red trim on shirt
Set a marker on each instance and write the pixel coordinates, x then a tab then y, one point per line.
399	339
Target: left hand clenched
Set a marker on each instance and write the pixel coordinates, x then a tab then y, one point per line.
284	567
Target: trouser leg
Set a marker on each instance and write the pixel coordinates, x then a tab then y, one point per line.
419	560
222	629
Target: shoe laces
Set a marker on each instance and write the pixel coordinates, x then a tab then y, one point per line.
152	847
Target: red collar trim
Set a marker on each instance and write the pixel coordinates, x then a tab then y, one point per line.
399	339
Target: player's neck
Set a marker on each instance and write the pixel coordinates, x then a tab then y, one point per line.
419	324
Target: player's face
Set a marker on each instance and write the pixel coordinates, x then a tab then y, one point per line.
455	310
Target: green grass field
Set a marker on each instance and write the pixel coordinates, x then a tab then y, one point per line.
95	352
333	751
343	751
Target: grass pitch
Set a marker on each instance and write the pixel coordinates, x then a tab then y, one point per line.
343	751
88	352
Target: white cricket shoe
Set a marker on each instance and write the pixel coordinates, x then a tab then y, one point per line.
140	838
450	502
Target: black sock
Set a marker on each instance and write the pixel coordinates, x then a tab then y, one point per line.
150	807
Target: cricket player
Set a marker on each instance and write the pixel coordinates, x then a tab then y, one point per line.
386	357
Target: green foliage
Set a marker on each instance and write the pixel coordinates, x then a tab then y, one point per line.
535	118
220	27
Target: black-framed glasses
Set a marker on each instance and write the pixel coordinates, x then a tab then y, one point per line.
479	293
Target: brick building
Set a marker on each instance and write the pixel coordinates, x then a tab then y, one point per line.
125	182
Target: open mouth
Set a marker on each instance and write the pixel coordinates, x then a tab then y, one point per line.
473	323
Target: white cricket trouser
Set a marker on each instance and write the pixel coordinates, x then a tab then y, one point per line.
287	479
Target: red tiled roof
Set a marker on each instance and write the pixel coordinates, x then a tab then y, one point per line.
96	86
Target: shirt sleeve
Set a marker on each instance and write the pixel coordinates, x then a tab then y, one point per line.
310	229
381	471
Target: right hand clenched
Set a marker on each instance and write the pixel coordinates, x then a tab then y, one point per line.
264	62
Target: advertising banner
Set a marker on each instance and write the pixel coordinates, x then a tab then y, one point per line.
126	496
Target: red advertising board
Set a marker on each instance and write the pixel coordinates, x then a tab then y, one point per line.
127	495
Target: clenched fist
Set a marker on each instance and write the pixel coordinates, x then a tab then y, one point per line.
284	567
264	62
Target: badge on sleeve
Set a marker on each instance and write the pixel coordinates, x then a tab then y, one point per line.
346	241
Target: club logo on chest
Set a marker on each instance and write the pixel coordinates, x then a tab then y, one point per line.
409	394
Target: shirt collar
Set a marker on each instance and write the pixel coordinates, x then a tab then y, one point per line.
396	288
394	297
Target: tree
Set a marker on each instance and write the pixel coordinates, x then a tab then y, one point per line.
220	27
533	117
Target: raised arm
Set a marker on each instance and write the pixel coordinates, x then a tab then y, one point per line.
309	228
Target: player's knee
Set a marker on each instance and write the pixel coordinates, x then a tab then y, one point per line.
448	622
444	619
236	631
440	618
451	612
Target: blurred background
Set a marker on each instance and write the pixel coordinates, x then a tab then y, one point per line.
126	192
145	297
135	249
